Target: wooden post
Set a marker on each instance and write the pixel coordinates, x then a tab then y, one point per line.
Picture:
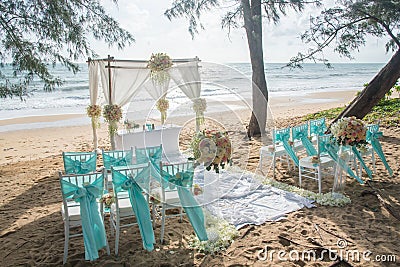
109	59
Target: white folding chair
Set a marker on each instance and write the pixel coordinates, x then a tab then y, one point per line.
71	184
79	162
312	166
276	150
121	212
168	190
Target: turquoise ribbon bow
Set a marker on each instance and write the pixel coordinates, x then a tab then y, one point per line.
153	155
139	204
94	235
284	138
79	167
116	162
373	139
318	129
301	135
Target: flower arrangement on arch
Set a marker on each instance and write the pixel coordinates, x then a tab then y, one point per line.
158	64
112	114
212	148
94	112
199	107
349	131
163	106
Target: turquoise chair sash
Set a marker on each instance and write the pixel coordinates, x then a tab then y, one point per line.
94	235
152	154
109	160
76	166
139	204
332	150
373	136
192	208
318	127
284	136
361	160
301	134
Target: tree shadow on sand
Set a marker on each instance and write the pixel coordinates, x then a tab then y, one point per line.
32	230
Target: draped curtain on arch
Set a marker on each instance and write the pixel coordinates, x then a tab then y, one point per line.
94	92
127	79
187	77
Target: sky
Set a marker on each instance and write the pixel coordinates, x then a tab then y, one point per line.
154	33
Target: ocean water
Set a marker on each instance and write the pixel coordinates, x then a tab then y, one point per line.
228	82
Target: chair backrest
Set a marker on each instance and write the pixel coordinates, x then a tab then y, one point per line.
117	158
79	162
322	141
373	128
299	130
71	182
279	135
140	173
317	126
176	174
146	154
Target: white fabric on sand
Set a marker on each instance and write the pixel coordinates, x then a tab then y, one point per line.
241	200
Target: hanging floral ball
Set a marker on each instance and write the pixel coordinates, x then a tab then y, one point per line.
199	105
112	113
93	111
159	62
349	131
162	104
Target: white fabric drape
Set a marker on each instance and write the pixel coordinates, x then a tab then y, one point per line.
94	91
156	90
187	77
126	80
93	81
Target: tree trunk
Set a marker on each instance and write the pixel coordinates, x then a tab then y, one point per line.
375	91
253	25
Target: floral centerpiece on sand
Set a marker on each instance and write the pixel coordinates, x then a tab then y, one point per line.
212	148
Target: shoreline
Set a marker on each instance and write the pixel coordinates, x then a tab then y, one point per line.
280	106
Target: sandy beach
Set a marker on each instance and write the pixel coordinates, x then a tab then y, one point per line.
31	227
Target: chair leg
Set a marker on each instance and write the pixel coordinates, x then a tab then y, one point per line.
299	175
162	223
181	214
373	161
319	179
116	236
273	165
66	236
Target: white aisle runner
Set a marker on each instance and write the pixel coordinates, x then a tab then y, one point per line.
240	199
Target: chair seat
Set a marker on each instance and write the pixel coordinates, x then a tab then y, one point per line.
324	161
74	212
125	208
279	151
171	197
